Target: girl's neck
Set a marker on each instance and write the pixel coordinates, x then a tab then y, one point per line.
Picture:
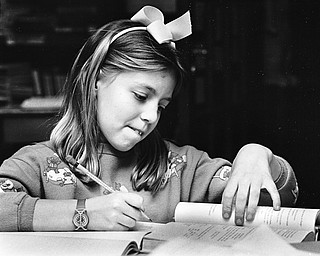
108	149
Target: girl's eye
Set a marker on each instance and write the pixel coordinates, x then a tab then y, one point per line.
140	97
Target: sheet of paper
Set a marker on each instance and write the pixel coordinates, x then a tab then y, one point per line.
39	245
293	218
263	242
225	235
136	236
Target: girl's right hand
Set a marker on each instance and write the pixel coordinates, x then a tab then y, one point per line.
116	211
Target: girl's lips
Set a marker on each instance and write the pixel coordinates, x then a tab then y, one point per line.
139	132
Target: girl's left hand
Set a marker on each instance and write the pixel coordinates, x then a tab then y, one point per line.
251	172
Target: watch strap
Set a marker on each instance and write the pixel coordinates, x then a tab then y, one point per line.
81	204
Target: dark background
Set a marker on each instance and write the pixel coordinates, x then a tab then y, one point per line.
253	69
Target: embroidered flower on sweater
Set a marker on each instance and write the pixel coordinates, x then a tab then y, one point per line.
8	186
59	176
175	165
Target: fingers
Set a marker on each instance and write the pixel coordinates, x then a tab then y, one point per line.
133	200
244	198
241	203
253	200
235	196
129	208
274	193
116	211
227	199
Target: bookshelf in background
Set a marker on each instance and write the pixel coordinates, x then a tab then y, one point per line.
38	43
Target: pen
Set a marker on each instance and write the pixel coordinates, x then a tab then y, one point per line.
77	165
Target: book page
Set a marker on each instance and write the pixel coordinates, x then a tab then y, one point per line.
225	235
135	236
39	245
260	242
286	218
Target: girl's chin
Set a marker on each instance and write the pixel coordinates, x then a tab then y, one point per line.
124	147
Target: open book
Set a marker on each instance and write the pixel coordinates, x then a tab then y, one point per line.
203	221
263	242
71	243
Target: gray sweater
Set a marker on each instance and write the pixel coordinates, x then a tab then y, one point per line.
36	172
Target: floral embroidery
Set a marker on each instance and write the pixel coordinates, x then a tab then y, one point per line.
56	175
117	186
225	173
8	186
176	163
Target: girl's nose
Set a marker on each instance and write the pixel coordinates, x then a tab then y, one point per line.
150	114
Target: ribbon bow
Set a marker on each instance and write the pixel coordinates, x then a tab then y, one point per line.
153	18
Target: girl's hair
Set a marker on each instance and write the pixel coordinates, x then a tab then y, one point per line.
77	132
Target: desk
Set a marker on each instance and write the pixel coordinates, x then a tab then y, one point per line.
20	127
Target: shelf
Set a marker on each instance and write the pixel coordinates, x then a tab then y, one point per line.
16	110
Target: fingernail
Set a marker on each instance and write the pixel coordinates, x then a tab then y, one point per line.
249	217
226	215
239	221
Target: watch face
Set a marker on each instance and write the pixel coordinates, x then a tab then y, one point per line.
81	220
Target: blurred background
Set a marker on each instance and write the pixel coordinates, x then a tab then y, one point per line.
254	72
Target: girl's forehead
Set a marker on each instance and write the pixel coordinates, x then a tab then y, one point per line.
153	81
161	83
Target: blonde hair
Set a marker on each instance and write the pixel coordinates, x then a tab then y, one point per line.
77	132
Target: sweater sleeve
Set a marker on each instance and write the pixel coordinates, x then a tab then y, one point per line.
20	188
204	180
207	177
16	211
286	184
200	179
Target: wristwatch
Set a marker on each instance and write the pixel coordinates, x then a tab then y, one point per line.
80	217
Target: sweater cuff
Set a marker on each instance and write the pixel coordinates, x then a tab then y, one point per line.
25	213
285	173
287	184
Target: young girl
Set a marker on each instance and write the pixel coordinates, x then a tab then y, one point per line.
123	78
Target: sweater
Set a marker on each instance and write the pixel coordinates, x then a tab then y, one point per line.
36	172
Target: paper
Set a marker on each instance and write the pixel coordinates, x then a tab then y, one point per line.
70	243
293	218
225	235
261	242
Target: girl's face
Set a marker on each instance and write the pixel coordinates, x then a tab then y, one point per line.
130	105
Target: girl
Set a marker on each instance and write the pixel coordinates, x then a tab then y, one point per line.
121	81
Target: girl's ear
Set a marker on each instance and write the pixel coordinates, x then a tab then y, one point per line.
98	84
96	87
99	81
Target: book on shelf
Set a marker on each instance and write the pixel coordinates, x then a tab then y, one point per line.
38	103
15	82
204	221
48	82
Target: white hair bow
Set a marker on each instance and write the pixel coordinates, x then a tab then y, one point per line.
153	19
